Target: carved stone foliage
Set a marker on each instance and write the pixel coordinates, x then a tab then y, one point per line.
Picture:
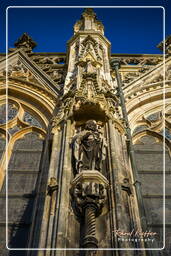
88	83
94	93
88	101
51	60
89	193
88	197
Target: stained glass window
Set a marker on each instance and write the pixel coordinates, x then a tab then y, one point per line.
12	112
28	118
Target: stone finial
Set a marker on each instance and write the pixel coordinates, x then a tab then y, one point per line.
88	21
167	43
89	12
25	42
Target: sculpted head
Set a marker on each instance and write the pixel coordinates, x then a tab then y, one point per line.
91	125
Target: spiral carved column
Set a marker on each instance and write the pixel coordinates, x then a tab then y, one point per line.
90	240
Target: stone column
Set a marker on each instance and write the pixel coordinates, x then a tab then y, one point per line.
137	184
116	65
50	197
60	235
115	174
89	193
55	218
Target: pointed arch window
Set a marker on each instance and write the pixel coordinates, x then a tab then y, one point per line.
25	149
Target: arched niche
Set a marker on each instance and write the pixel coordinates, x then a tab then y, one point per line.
89	110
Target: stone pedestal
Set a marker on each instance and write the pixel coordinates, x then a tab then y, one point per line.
89	194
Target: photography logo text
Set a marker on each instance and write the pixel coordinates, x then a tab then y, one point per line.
135	236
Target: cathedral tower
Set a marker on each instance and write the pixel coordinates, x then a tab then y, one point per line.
93	192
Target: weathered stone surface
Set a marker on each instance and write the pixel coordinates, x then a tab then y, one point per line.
51	97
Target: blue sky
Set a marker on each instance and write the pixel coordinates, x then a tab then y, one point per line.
130	30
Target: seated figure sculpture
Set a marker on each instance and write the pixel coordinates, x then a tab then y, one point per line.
88	148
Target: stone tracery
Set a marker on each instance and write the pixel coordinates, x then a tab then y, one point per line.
73	90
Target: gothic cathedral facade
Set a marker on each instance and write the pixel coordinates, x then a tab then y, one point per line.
85	149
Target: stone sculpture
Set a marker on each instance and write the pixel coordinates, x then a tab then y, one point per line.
88	148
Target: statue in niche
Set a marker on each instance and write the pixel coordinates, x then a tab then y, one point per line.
89	67
88	148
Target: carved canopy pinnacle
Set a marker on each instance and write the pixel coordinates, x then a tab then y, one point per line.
25	42
167	43
89	21
89	12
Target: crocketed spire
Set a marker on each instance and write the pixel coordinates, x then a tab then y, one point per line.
88	21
